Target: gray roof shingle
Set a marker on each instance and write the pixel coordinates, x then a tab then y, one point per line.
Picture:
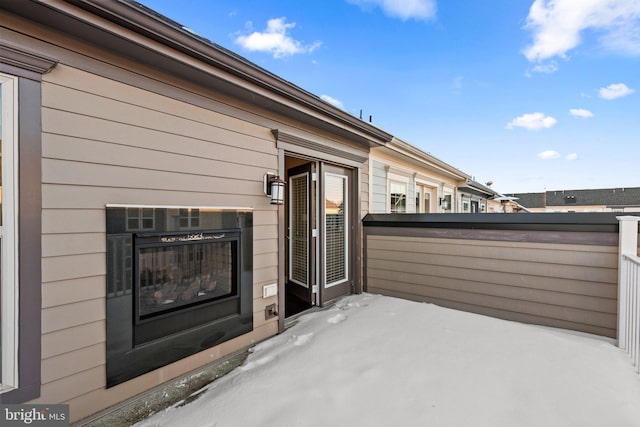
598	197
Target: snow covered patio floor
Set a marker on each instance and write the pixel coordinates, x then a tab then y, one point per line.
378	361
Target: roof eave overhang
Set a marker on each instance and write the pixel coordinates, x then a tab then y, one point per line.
134	17
472	190
475	187
398	147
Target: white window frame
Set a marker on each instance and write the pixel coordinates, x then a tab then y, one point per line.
398	179
451	202
8	231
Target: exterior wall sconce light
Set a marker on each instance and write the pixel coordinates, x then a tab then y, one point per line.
274	188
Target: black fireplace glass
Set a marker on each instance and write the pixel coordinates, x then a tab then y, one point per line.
179	281
178	276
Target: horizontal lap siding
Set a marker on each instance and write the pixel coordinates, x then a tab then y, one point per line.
567	286
106	142
379	188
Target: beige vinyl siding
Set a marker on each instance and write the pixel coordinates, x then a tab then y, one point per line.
564	285
364	190
107	142
379	188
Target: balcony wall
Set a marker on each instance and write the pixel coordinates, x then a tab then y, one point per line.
555	270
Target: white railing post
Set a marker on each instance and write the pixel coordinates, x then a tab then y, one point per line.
628	244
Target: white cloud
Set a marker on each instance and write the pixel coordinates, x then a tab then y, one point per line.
403	9
614	91
275	40
549	154
332	101
533	121
557	26
548	68
572	156
580	112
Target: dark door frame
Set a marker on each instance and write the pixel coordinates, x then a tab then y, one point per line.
355	229
307	294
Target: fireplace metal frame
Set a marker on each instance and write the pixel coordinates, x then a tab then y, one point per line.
136	346
153	326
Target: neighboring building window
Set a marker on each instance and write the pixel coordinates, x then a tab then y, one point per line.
189	218
8	233
447	205
465	207
140	219
398	194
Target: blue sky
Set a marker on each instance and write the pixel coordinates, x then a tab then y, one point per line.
531	95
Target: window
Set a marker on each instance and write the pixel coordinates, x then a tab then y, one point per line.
139	219
465	207
336	238
8	233
21	247
189	218
398	197
446	204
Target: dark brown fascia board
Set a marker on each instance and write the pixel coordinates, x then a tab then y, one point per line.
139	19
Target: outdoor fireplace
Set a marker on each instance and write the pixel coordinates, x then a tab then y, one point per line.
179	280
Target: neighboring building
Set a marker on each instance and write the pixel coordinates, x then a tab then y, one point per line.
505	204
137	241
405	179
590	200
475	197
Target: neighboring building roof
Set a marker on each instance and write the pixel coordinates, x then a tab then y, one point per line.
474	187
611	197
397	145
529	200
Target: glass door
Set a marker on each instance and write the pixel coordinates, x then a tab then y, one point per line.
336	226
301	242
